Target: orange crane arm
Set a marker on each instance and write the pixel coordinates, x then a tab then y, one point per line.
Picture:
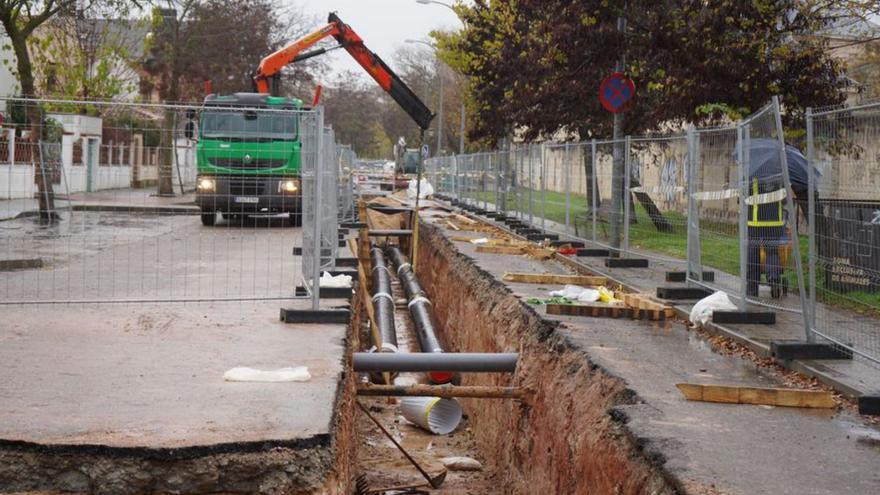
272	64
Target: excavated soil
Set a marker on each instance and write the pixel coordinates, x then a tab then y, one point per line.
568	438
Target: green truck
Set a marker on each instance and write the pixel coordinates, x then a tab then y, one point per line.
248	157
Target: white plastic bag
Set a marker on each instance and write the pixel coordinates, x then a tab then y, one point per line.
244	374
577	293
481	240
327	280
702	311
425	190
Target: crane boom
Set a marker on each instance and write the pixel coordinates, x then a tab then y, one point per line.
272	64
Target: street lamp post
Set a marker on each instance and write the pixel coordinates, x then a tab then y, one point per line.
462	124
440	111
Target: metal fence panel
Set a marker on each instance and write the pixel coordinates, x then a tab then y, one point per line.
657	224
128	229
844	206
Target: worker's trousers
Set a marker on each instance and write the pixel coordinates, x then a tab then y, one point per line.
771	239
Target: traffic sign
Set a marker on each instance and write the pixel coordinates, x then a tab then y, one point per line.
616	92
426	152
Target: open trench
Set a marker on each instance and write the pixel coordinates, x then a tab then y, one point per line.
567	437
378	461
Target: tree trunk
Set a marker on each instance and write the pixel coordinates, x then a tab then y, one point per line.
35	120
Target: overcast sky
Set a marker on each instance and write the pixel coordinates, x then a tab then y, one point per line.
383	24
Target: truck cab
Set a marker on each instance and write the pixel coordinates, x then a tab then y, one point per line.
249	156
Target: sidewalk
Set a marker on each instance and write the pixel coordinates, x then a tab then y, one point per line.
852	378
142	200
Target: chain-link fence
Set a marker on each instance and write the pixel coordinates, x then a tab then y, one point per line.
125	202
843	199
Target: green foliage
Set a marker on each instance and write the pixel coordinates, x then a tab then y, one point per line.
535	66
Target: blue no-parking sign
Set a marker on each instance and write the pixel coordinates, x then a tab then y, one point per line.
616	92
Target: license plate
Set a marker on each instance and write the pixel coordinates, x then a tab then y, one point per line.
246	199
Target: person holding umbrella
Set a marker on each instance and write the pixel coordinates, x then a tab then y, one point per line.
767	217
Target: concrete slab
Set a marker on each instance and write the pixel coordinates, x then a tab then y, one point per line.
152	376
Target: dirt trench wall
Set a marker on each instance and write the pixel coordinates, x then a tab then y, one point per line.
566	440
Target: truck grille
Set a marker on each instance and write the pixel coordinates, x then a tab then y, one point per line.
241	164
244	187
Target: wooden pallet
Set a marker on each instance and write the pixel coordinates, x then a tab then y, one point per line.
591	309
552	278
645	307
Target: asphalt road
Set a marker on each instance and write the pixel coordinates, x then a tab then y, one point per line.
110	256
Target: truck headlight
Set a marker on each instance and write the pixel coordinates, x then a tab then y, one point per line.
288	186
207	185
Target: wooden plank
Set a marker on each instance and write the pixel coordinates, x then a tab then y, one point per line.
595	310
552	278
784	397
452	225
489	249
464	219
368	303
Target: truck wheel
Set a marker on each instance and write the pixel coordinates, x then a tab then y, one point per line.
208	219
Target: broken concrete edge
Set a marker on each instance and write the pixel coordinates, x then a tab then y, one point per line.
761	349
545	331
166	453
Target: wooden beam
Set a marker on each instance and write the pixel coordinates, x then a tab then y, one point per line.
785	397
441	391
490	249
552	278
593	309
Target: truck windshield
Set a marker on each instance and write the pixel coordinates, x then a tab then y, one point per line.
249	125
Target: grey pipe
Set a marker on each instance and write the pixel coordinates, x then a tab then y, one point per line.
383	302
419	305
446	362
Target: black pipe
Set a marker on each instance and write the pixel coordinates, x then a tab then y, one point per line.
383	302
447	361
420	309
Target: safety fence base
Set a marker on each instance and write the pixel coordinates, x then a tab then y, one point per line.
593	253
744	317
540	237
565	242
869	404
787	350
626	262
315	316
708	276
682	292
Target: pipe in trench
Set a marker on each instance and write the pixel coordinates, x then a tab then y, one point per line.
478	362
420	310
383	301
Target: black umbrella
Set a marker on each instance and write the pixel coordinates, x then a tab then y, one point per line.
764	162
